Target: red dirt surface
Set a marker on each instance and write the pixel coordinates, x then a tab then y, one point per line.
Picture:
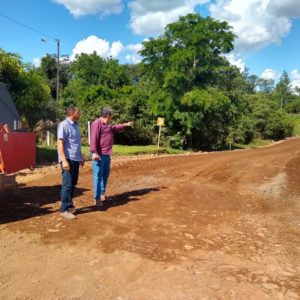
207	226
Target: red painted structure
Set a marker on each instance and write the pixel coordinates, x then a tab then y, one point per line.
17	151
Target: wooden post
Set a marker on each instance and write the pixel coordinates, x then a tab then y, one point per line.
159	133
48	138
89	132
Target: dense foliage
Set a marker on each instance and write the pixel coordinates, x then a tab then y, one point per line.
184	77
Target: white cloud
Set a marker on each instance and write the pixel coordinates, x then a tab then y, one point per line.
133	57
269	74
295	78
37	62
116	49
236	61
257	23
134	47
288	8
80	8
275	75
295	75
151	17
100	46
104	49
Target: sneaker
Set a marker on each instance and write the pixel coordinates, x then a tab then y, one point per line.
99	203
103	198
67	215
72	210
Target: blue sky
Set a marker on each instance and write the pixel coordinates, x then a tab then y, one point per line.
268	30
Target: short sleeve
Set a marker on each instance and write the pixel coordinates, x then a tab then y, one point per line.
61	132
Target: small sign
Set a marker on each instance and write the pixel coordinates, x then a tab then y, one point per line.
161	121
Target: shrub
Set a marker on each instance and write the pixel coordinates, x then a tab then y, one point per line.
278	126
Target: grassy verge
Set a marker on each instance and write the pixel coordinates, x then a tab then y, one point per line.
122	150
296	120
47	155
254	144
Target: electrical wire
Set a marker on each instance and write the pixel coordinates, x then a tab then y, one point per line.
28	27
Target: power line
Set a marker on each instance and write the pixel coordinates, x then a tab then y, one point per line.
57	41
28	27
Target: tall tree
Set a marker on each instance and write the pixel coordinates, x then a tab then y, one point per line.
189	53
283	88
88	67
48	69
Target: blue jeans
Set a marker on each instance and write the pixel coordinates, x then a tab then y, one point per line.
101	170
69	181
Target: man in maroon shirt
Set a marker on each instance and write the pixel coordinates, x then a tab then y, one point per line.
102	139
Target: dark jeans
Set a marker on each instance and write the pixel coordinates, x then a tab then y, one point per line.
69	181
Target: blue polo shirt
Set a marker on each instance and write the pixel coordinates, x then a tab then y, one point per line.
69	132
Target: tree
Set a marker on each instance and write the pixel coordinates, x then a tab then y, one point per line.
48	69
10	68
283	89
28	89
265	85
205	118
279	125
192	84
251	81
88	67
189	53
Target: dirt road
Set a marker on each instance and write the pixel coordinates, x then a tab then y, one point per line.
206	226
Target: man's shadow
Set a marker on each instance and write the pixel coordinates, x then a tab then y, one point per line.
117	200
25	202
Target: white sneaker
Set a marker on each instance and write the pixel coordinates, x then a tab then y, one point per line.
102	197
67	215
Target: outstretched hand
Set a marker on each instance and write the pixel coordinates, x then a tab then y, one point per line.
129	124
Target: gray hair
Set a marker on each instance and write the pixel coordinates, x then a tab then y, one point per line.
106	111
71	109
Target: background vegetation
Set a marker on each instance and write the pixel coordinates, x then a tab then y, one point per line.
184	77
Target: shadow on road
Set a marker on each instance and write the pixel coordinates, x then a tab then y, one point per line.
23	203
117	200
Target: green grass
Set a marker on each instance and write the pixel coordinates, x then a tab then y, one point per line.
46	155
296	120
254	144
123	150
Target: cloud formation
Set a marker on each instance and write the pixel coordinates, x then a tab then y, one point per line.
269	74
257	23
151	17
236	61
100	46
295	78
80	8
132	55
36	62
104	49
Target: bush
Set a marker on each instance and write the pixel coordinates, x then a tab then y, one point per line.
293	107
177	141
245	131
137	135
278	126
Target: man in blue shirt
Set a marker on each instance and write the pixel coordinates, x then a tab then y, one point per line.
70	157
